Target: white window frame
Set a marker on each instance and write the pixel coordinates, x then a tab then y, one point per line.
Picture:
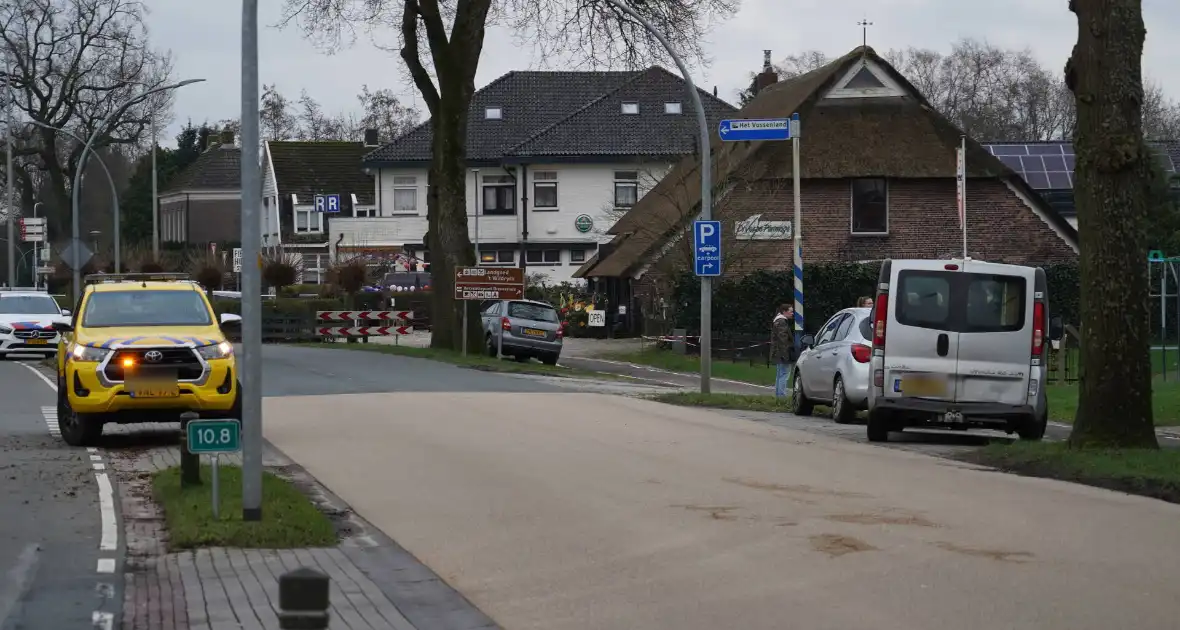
494	182
499	252
852	207
584	256
493	112
541	262
630	108
673	107
313	217
318	271
546	180
404	184
625	182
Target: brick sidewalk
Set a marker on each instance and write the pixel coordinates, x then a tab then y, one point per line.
220	589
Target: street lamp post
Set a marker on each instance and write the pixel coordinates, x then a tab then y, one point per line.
102	126
11	207
251	365
155	201
706	189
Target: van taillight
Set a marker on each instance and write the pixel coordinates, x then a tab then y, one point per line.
1038	333
861	353
880	313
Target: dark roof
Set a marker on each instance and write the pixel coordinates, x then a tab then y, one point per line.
310	168
848	138
218	168
568	115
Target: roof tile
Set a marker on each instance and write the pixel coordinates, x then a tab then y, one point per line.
310	168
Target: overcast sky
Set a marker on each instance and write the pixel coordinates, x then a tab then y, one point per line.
204	38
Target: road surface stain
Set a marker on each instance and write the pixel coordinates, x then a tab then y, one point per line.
882	519
794	489
835	545
1018	557
716	512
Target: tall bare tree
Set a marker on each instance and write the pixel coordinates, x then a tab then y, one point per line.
75	63
441	42
1112	193
276	120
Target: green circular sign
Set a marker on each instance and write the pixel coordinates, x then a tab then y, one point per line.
584	223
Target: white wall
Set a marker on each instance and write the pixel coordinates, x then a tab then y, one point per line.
581	189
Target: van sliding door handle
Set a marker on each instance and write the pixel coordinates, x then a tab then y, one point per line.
944	344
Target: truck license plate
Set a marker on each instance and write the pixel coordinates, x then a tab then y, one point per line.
152	386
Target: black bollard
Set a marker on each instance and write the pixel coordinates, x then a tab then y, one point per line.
303	600
190	464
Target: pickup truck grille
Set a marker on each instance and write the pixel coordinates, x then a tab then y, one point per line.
183	360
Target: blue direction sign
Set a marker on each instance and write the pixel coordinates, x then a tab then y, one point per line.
748	130
214	437
706	247
327	203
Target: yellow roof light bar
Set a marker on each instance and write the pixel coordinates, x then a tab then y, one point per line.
103	278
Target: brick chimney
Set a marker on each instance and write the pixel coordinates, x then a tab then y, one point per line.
227	139
371	138
767	77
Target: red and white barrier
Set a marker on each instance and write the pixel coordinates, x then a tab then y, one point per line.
363	331
348	316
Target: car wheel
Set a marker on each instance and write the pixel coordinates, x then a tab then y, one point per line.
800	404
76	429
842	411
1033	427
549	359
879	425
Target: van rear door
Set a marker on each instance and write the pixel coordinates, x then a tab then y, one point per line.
995	333
921	343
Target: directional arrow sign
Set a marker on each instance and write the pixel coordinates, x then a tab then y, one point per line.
760	129
363	331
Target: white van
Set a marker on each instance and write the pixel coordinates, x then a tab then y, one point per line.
960	344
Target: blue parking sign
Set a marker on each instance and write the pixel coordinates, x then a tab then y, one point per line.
706	247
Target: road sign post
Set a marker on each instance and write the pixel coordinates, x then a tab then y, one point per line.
488	283
216	438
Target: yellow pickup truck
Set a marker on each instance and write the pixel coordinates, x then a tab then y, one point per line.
142	348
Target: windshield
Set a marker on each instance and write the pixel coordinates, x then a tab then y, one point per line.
28	305
534	312
146	308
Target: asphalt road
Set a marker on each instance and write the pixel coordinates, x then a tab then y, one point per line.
50	528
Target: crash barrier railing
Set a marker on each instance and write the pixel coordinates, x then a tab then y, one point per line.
332	326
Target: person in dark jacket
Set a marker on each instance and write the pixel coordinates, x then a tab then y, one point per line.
782	347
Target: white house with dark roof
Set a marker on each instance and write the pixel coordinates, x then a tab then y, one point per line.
553	158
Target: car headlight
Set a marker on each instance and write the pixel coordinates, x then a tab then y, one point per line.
5	330
216	351
88	354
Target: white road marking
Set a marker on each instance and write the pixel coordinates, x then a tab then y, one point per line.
106	565
91	449
103	620
41	376
96	458
662	371
50	415
106	506
99	466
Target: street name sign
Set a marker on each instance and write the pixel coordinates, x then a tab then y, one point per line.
753	130
706	248
237	260
489	283
327	203
214	437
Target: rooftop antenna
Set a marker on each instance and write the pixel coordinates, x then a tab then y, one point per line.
864	25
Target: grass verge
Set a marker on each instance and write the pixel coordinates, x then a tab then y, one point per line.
740	402
1063	399
289	519
1145	472
474	360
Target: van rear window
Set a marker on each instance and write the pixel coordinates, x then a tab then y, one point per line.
994	303
924	299
961	302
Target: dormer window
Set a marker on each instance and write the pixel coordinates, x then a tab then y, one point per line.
493	113
630	108
671	108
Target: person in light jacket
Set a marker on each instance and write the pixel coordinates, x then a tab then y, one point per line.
782	347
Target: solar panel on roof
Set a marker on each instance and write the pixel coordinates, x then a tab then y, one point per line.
1050	165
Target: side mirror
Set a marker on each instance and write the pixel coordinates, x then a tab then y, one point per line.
808	341
1056	328
62	326
65	312
229	319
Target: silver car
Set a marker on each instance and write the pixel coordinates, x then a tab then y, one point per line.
526	328
833	368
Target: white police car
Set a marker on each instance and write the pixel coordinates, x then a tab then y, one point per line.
26	318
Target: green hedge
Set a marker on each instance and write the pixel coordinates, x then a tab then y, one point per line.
747	305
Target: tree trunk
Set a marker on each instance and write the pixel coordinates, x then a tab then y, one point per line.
450	245
1112	192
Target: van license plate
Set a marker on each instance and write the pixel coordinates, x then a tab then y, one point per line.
923	386
533	332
